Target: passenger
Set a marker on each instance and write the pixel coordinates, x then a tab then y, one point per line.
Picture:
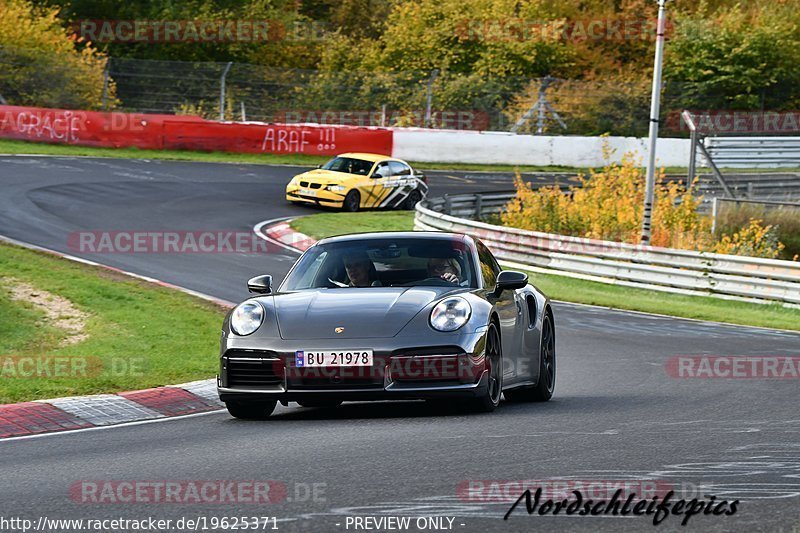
361	270
449	269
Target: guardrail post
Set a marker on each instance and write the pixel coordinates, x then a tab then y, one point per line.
478	206
448	204
714	207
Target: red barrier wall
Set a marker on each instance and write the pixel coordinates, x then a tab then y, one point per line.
92	128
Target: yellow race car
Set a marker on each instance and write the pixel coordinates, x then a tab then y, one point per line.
354	181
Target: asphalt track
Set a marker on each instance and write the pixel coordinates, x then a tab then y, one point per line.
617	415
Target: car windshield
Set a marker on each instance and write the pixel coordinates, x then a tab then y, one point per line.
348	165
402	262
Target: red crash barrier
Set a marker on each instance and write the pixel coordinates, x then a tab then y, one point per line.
118	130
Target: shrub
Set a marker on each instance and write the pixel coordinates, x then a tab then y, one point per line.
40	63
608	205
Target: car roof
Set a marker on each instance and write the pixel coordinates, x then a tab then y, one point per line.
369	157
381	235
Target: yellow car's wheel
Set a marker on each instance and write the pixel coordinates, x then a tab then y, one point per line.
352	201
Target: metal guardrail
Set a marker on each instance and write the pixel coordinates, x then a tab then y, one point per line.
664	269
743	152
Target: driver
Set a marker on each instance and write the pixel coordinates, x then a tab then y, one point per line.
361	270
449	269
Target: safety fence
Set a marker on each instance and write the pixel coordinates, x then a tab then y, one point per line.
170	132
663	269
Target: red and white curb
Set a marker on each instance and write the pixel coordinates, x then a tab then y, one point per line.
81	412
278	231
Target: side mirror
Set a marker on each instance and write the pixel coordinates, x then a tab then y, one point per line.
260	284
510	280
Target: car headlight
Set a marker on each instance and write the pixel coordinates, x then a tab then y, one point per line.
450	314
247	317
335	188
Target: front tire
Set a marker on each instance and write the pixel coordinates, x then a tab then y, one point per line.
543	390
412	200
490	399
351	202
251	410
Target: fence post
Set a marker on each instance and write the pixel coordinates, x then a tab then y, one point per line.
105	85
222	91
429	97
692	157
541	107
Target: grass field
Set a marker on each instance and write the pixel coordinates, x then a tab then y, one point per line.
577	290
139	335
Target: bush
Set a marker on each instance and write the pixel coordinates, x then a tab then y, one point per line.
608	205
40	64
783	221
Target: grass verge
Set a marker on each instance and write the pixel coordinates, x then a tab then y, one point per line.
578	290
139	335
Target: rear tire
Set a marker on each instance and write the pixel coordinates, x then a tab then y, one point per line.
351	202
543	390
251	410
411	200
490	399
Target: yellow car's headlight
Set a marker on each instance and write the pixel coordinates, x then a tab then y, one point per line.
335	188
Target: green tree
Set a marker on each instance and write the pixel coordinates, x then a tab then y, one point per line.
40	64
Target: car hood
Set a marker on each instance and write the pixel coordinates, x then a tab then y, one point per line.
325	176
369	312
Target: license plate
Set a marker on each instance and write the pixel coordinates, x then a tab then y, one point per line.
337	358
308	192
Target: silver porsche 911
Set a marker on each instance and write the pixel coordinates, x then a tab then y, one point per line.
377	316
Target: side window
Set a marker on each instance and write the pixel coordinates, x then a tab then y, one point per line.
382	171
489	267
399	169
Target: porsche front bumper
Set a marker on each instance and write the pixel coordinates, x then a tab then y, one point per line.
269	372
